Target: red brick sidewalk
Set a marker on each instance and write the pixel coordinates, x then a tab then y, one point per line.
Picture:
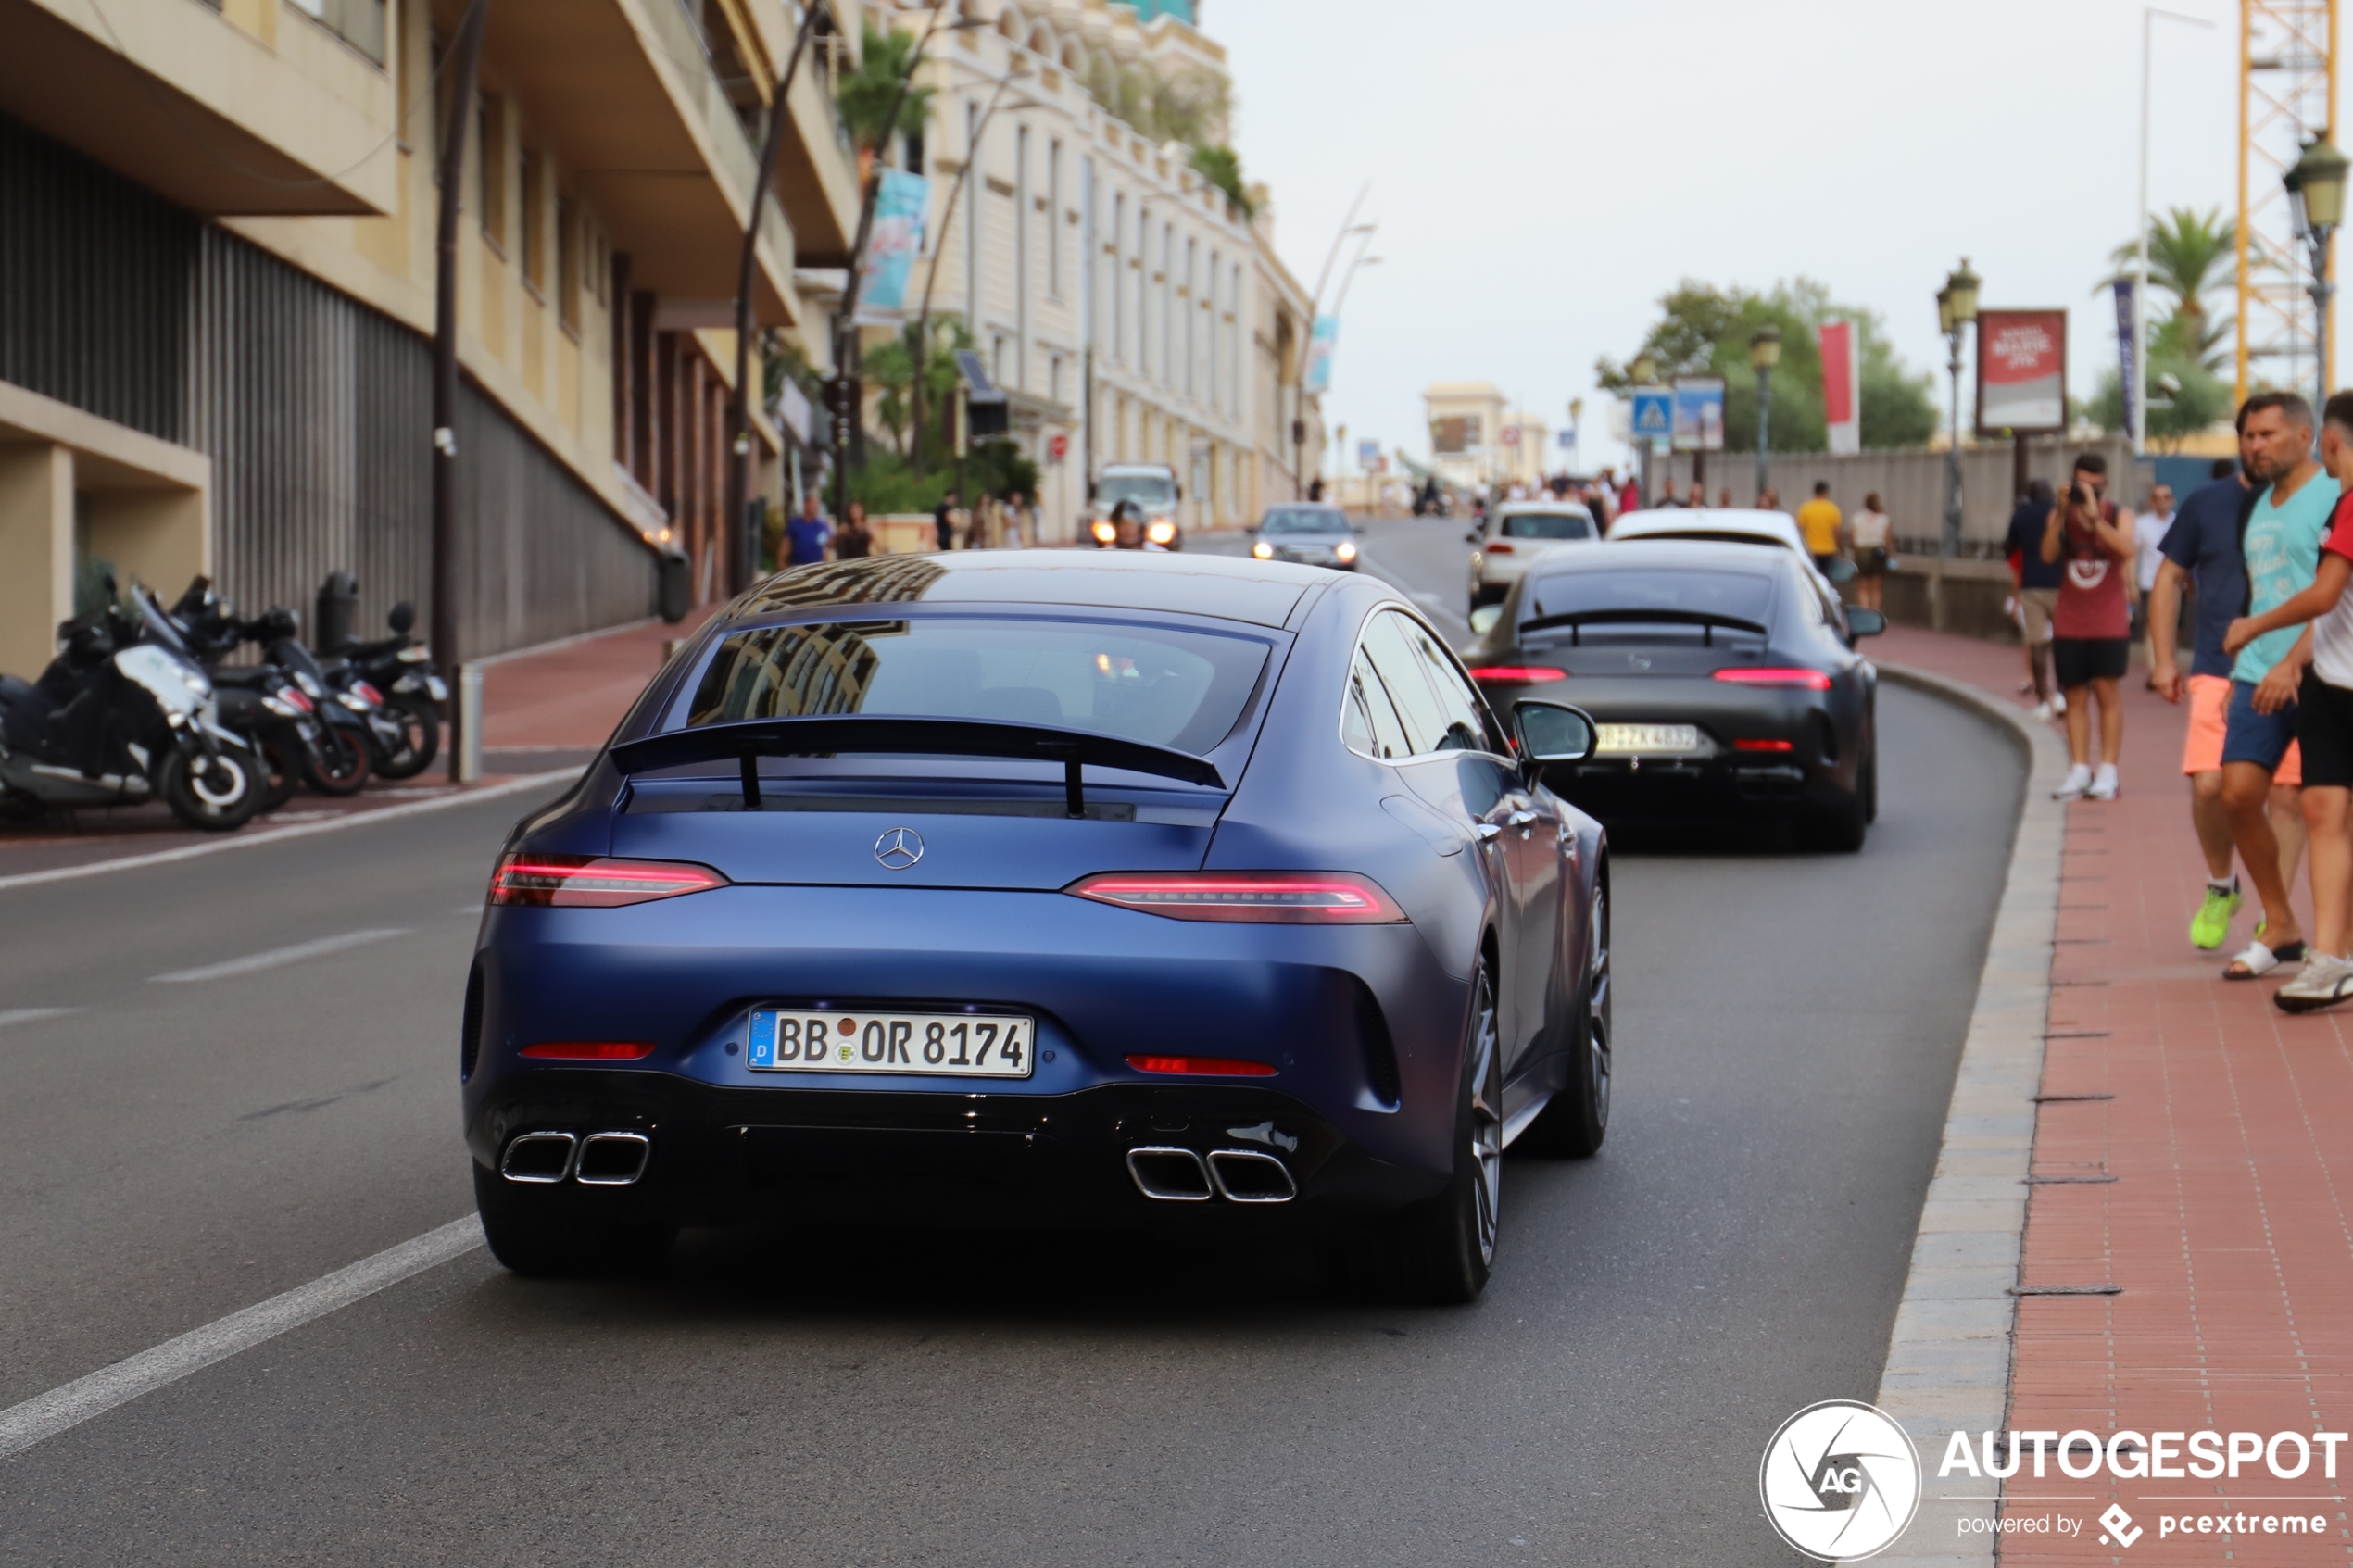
2206	1172
568	697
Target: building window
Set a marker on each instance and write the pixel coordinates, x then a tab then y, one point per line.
1234	344
527	228
568	265
1189	256
360	23
1216	387
1119	277
997	358
1054	217
1143	287
1167	303
493	157
1054	377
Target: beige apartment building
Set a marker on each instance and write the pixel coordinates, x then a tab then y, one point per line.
1132	312
1475	437
215	323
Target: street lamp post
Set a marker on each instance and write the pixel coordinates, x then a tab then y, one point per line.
1644	369
1764	353
1955	308
2316	190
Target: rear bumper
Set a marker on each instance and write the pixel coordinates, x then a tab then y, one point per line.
1720	787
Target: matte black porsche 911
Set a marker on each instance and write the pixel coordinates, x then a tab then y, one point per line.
1723	677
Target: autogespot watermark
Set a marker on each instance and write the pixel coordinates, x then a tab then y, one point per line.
1841	1481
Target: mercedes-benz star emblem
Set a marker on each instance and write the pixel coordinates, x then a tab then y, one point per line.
899	849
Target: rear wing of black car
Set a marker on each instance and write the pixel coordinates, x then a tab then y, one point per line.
749	740
1706	621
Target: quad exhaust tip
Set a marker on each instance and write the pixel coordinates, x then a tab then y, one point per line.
600	1160
1237	1175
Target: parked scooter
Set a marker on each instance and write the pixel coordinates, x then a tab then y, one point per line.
400	667
354	733
123	715
261	702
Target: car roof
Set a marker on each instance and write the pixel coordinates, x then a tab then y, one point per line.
1228	587
1545	505
1779	527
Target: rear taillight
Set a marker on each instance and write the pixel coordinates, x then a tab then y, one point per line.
1269	897
1762	745
364	689
595	882
1515	674
1500	547
591	1050
1811	680
1215	1066
293	697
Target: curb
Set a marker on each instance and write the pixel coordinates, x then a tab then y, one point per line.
1949	1358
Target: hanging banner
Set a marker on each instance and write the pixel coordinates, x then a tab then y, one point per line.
898	239
2125	347
1699	413
2021	372
1843	388
1320	345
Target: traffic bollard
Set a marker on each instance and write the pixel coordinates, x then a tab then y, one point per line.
469	722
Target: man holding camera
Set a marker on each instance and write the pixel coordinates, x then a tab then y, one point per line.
2091	624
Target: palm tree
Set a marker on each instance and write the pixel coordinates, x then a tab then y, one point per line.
865	94
2185	247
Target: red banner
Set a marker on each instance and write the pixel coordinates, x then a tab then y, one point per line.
2021	372
1842	393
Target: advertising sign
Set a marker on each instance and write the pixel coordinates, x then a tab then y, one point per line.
2021	372
898	239
1699	413
1367	454
1841	387
1320	344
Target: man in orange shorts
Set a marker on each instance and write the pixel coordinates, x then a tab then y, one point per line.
2203	546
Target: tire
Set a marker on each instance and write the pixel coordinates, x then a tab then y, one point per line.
1573	1125
1870	781
219	794
1440	1252
284	765
341	764
417	716
1839	828
556	1231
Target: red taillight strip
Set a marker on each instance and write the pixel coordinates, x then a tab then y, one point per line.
1515	674
1812	680
594	882
1265	897
1217	1066
591	1050
1761	745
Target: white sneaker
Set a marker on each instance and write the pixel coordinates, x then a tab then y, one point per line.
2103	783
2059	702
2042	711
2326	981
2078	779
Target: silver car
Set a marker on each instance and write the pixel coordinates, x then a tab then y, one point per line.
1309	533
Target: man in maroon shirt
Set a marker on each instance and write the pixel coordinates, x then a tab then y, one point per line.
2092	629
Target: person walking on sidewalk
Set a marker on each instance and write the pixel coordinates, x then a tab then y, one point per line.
2202	548
943	521
2092	625
856	539
2149	528
1873	535
2323	728
1825	531
2037	583
2281	547
805	535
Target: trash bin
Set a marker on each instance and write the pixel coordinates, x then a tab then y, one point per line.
672	585
338	608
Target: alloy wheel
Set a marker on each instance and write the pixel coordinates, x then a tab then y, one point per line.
1486	1142
218	783
1597	1007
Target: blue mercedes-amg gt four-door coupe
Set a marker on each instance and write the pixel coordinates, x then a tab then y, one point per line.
1006	888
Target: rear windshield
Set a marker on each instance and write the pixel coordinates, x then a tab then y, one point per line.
1742	595
1303	519
1180	689
1547	525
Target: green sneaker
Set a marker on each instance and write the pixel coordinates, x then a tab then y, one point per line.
2212	921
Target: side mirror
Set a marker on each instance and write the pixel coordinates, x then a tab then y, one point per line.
1862	622
403	617
1840	569
1483	618
1552	732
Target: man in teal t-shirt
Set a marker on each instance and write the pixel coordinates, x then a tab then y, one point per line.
2283	549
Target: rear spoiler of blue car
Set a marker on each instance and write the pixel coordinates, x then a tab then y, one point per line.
749	740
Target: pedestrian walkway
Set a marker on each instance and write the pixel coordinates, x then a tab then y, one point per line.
2192	1186
566	697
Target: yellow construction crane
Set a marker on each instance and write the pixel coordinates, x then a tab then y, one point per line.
2287	96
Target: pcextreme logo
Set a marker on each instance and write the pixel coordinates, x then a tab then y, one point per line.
1840	1481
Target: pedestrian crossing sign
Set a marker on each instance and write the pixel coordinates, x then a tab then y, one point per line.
1654	414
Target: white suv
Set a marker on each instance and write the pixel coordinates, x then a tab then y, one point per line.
1515	532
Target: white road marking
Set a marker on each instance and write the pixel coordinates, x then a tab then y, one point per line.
277	956
45	1415
31	1015
279	835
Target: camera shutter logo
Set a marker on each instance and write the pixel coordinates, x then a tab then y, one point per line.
1840	1481
899	849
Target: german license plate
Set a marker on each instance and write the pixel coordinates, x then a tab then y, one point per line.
826	1040
1647	740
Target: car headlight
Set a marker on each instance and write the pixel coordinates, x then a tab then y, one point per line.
1160	531
1263	550
1345	550
1104	531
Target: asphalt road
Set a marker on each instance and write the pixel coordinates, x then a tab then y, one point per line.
178	1148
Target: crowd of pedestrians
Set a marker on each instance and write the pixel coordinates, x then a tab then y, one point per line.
811	535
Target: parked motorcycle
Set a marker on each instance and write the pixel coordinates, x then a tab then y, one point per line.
400	669
261	702
123	715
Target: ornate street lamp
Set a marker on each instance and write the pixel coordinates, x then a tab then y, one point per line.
1764	353
1955	308
2316	190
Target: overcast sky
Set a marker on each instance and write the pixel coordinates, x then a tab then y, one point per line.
1544	169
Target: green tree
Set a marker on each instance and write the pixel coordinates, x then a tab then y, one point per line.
2201	400
1703	330
865	94
1222	167
1187	104
2187	250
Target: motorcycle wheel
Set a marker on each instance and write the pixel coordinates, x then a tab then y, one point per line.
340	765
415	715
283	763
215	794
